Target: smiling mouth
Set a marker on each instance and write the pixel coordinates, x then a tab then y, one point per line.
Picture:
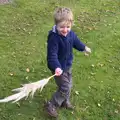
64	32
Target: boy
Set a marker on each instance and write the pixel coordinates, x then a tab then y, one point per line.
61	40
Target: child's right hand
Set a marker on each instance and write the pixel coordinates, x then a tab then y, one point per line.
58	71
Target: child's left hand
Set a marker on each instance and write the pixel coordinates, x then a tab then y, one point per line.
87	51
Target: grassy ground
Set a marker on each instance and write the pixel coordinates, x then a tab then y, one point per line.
24	25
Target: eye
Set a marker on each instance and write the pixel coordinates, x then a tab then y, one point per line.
62	26
68	26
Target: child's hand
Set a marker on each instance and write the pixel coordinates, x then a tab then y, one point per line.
87	51
58	71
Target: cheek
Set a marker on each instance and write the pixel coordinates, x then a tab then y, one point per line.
59	29
69	29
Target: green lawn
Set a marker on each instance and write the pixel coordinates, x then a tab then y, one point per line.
24	26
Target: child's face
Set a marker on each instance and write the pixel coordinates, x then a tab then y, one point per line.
64	29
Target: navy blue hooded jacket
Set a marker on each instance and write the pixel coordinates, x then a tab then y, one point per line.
59	49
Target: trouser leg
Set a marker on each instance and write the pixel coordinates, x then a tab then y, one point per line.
70	86
64	83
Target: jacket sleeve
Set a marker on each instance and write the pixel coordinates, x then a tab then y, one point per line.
52	53
77	44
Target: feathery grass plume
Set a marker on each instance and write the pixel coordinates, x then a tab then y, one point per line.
26	90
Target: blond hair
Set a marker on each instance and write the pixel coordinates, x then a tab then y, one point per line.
63	14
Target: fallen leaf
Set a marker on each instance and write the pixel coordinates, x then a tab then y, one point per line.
109	61
93	65
34	118
72	112
99	104
26	78
19	113
92	73
28	70
86	54
116	111
77	92
24	29
100	64
113	99
18	104
11	74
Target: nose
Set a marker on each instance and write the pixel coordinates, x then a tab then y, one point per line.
65	29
